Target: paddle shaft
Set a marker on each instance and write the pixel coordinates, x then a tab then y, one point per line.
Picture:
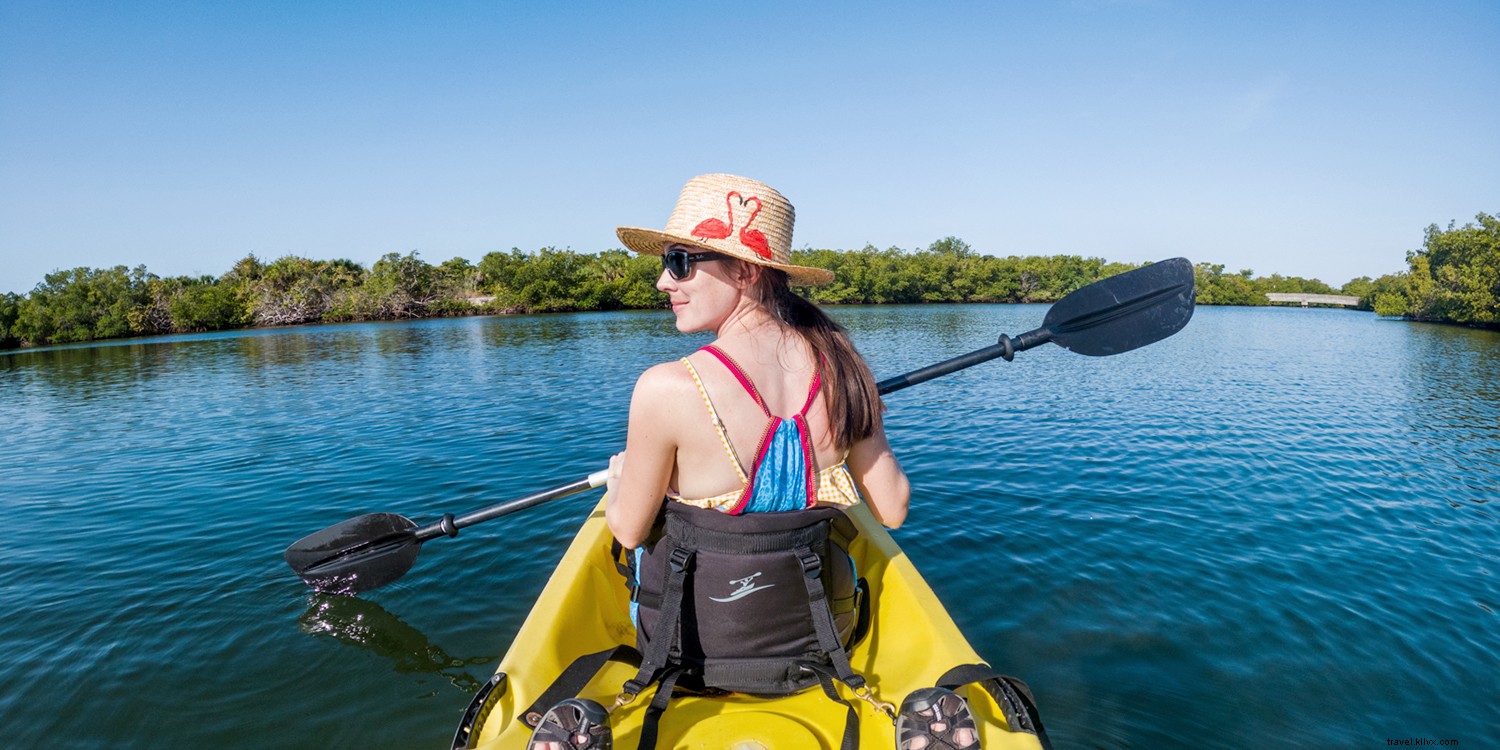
1006	349
450	524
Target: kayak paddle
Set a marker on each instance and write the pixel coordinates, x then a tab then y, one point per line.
1109	316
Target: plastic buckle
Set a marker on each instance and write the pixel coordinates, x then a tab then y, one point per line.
679	559
812	565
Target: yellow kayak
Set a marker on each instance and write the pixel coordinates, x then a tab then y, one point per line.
584	609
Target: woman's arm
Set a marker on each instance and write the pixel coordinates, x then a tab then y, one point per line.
638	478
880	478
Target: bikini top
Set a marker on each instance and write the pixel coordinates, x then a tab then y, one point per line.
783	477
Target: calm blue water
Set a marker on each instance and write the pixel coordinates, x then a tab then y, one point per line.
1274	529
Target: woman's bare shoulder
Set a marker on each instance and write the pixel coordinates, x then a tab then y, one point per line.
664	395
665	379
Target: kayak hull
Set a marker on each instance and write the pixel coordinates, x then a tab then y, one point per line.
584	609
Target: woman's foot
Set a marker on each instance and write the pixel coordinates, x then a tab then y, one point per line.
935	719
573	724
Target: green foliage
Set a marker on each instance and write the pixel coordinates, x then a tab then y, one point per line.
619	279
399	286
496	269
1454	278
1369	291
153	317
551	281
10	310
85	303
948	271
457	278
1215	287
1391	305
295	290
208	305
1360	287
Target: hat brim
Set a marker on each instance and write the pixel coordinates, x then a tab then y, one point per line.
654	242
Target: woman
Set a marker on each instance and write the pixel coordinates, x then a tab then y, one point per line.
778	413
695	428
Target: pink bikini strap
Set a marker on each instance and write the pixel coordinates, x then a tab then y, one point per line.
812	393
739	375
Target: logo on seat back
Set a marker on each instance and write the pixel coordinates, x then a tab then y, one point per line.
746	587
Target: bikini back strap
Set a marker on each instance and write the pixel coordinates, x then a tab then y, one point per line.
739	375
812	393
745	382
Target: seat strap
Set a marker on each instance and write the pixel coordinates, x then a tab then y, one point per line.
664	638
822	617
851	718
651	720
623	560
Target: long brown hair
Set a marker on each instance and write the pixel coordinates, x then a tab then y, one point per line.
854	405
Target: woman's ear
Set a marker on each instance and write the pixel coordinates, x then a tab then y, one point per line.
747	274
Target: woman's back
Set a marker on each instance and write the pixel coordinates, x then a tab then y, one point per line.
780	369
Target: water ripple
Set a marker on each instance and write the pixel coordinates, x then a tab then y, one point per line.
1277	524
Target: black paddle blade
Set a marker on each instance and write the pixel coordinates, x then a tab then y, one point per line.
356	555
1124	312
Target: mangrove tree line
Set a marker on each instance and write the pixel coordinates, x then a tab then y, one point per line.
1454	278
84	304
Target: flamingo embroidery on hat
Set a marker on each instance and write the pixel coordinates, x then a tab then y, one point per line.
734	216
714	229
754	238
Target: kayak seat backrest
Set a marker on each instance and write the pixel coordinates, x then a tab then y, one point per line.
754	594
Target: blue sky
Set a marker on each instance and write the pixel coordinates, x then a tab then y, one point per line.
1301	138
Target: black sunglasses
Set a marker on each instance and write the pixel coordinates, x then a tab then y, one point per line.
679	262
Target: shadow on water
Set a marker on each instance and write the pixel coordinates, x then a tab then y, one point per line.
1455	365
365	624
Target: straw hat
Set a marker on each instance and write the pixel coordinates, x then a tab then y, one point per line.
735	216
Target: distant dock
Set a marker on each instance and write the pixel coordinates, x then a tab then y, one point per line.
1313	299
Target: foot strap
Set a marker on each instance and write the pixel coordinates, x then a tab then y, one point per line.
1010	693
573	679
